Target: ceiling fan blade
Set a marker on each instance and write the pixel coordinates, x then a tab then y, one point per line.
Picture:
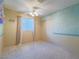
40	1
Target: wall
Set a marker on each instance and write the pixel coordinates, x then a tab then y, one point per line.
10	27
1	36
62	28
1	26
38	29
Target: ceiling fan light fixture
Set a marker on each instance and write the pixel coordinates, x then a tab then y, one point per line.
32	14
36	14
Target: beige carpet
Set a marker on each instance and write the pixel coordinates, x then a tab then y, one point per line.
36	51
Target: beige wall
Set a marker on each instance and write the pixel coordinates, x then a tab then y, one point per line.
44	33
10	27
38	29
0	47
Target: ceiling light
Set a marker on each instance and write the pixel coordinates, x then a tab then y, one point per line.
35	13
31	14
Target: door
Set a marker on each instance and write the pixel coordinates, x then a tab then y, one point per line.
27	30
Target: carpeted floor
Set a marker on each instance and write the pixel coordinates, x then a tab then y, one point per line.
36	51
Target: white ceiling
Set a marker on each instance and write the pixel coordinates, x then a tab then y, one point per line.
45	8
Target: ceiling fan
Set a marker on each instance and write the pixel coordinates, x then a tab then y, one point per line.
40	1
35	9
34	12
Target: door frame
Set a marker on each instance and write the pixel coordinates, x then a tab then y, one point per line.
18	31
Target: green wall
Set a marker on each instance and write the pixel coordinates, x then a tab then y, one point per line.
1	30
66	21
